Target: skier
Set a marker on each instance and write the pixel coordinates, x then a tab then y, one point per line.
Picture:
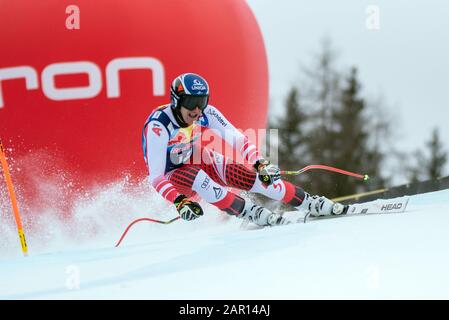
169	150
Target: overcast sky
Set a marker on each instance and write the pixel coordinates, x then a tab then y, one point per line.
405	60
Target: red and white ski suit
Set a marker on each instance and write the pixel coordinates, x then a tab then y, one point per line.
178	165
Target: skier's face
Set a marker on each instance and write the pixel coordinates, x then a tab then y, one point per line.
189	116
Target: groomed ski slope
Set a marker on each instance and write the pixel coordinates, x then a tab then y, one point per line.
395	256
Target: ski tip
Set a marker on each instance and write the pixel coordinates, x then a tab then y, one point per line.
365	177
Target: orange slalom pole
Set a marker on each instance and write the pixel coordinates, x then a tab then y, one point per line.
15	207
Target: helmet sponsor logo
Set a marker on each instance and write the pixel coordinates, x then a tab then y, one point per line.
198	85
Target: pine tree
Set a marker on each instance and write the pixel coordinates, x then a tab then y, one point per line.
429	165
415	172
438	157
321	98
330	123
291	136
355	145
379	126
350	136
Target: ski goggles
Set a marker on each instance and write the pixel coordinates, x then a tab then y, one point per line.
192	102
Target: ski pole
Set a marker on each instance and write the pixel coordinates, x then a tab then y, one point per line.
365	177
143	219
12	196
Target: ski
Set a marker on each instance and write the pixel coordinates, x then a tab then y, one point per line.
380	206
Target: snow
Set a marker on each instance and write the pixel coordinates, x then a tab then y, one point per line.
390	256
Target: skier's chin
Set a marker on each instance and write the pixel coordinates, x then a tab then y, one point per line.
191	117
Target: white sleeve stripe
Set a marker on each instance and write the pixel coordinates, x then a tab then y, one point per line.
165	187
161	184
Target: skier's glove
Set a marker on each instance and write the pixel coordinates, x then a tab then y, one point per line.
188	209
268	173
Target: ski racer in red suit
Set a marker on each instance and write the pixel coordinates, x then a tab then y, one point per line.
168	142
